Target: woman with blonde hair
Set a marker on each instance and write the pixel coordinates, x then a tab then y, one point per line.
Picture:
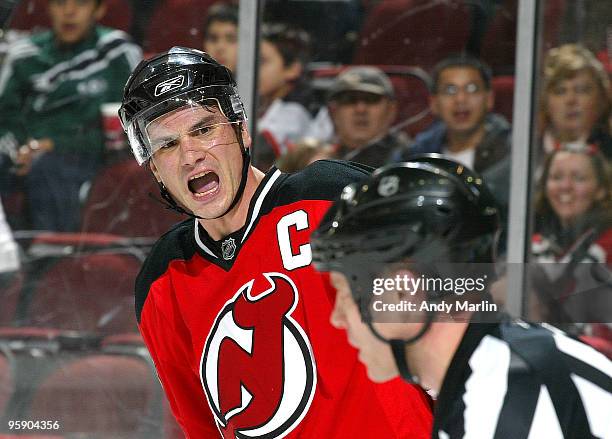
575	100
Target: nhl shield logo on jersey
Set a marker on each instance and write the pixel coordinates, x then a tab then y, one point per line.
228	248
257	367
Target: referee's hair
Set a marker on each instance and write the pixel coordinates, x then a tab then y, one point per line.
460	60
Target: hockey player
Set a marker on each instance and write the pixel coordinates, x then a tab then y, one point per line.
494	377
233	313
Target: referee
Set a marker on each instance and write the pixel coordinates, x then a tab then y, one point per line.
431	221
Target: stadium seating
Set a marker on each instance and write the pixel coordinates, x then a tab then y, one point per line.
184	29
119	203
9	297
6	381
503	87
90	292
100	394
498	44
415	32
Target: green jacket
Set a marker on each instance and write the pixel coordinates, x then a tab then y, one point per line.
55	92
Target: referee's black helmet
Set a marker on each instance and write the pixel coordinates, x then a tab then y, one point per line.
429	210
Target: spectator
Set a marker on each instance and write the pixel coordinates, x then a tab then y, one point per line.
575	102
573	225
466	130
52	86
284	97
401	248
303	153
221	34
362	107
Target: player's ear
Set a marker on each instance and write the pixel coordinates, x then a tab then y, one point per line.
154	170
246	136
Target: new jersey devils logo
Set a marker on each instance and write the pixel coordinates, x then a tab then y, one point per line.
257	367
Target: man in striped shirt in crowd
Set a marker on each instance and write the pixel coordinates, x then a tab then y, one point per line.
410	252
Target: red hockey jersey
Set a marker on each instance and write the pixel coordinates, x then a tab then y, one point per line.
239	329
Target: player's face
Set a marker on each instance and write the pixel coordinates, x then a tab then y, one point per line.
573	106
275	78
221	43
360	117
373	353
461	100
571	187
72	20
201	164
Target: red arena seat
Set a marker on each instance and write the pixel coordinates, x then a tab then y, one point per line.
9	297
7	386
503	87
415	32
99	396
93	292
184	29
498	45
119	203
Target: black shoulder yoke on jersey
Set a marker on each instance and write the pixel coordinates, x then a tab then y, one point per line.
322	180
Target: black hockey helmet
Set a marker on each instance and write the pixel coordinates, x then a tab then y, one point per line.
181	76
431	211
432	216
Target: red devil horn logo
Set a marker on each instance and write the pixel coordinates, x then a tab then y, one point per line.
257	366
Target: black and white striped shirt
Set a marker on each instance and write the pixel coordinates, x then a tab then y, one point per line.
492	389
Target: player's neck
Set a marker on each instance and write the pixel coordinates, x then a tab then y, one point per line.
235	219
431	356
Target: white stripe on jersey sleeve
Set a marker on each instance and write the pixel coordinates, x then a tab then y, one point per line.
545	422
597	404
583	352
490	363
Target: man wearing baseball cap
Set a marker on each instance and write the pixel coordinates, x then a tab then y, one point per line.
362	106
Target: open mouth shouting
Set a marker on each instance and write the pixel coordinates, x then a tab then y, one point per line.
204	185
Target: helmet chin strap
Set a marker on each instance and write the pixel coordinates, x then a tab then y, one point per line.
170	203
398	348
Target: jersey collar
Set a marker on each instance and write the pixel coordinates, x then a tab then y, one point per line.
225	251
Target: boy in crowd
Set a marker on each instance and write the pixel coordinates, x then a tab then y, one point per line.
52	86
221	34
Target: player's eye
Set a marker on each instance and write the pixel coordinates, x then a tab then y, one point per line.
167	144
202	131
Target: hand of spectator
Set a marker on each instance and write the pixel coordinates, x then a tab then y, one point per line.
28	152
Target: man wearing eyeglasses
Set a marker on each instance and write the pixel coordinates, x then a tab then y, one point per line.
466	129
362	106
